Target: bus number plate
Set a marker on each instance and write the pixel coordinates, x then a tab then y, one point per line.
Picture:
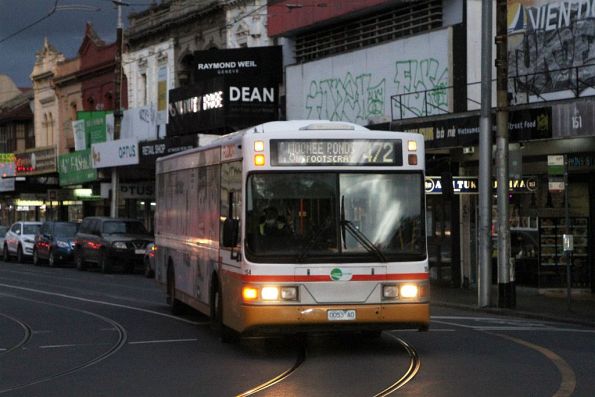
341	315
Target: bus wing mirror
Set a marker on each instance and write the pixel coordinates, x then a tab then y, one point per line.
231	228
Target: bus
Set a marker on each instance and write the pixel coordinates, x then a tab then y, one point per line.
296	227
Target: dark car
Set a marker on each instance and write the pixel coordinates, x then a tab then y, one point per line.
54	242
108	242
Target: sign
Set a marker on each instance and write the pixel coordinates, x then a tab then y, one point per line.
36	161
243	62
555	165
223	104
78	130
151	150
335	152
162	95
139	123
574	119
95	126
7	172
469	185
115	153
76	168
141	190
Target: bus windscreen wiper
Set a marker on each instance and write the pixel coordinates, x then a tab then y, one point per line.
314	239
359	236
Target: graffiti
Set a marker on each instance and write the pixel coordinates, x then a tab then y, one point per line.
421	88
547	55
355	99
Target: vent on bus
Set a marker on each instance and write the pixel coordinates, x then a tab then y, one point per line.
327	126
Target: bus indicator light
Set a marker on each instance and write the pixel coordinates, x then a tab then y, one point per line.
412	159
249	294
258	146
259	160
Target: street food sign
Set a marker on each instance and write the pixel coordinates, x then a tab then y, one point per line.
289	152
470	185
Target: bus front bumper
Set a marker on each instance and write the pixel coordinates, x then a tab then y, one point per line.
284	319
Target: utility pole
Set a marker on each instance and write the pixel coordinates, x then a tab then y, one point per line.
485	158
117	108
506	289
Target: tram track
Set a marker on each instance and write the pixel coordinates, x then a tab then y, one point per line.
412	369
27	333
122	337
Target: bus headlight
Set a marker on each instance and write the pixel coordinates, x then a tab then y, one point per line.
269	293
409	291
289	293
390	291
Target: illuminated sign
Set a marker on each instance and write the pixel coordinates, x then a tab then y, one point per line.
470	185
36	161
336	152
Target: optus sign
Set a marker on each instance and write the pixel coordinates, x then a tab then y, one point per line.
115	153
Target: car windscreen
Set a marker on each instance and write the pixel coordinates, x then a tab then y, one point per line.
124	227
30	229
65	229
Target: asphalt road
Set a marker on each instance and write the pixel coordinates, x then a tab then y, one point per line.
69	333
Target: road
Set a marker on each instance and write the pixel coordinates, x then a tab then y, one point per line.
65	332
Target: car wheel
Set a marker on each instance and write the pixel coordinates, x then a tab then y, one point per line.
20	256
5	255
36	258
52	259
104	263
79	261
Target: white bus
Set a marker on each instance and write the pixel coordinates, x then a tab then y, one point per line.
296	226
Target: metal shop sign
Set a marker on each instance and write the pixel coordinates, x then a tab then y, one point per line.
76	167
469	185
115	153
151	150
36	161
574	119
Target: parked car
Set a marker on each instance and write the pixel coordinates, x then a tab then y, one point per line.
107	242
149	260
54	242
3	230
19	240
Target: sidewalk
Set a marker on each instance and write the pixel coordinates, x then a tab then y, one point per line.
529	304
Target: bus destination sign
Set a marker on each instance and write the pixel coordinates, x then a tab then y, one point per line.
336	152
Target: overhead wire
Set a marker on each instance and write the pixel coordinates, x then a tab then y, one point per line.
49	14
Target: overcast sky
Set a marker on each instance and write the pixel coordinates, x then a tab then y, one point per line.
64	30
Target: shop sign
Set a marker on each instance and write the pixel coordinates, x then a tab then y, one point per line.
151	150
555	165
574	119
95	126
523	125
36	161
139	191
7	172
76	167
470	185
115	153
243	62
139	123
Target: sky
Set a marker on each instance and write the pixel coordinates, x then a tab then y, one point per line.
64	29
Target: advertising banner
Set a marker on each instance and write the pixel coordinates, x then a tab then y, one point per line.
241	62
76	168
115	153
139	123
7	172
36	161
80	137
95	127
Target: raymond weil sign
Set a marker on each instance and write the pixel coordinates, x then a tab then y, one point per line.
115	153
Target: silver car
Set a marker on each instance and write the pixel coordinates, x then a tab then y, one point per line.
19	240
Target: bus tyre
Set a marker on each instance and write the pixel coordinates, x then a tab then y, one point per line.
424	328
226	335
104	263
176	307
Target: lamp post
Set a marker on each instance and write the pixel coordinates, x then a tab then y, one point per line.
117	107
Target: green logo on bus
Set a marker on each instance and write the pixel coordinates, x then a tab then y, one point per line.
336	274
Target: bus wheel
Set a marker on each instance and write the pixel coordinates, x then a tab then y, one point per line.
226	334
175	306
424	328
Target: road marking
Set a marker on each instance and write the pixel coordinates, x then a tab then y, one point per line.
568	381
103	303
142	342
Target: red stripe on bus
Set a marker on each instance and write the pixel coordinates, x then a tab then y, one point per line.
319	278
